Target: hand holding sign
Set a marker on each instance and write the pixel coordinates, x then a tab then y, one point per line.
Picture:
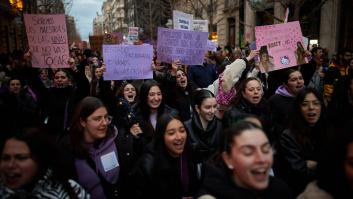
252	55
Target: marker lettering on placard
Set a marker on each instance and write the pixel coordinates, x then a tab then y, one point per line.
274	44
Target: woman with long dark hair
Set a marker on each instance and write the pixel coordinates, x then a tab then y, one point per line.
204	128
149	108
166	169
30	167
301	144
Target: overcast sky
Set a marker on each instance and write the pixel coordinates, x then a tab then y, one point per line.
84	12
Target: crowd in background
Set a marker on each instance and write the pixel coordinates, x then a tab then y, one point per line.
222	129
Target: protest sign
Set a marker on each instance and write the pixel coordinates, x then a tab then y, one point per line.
125	62
96	42
133	34
280	45
187	46
200	25
113	38
211	46
182	21
47	40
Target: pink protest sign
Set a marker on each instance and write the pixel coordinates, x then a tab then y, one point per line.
280	45
47	39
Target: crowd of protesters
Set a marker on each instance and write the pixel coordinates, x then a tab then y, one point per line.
223	129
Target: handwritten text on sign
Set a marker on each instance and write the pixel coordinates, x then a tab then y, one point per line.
187	46
47	39
283	43
128	62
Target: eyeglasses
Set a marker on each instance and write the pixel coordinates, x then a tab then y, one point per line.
108	119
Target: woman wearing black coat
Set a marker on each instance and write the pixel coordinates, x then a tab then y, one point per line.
204	128
301	145
247	101
166	169
242	169
178	91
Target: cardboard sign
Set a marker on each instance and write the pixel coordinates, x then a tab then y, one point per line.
47	39
126	62
280	45
113	38
187	46
182	21
96	42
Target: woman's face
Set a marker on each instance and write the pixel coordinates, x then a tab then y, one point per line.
264	57
129	93
181	79
351	64
348	165
15	86
96	125
250	159
88	71
175	137
154	98
295	82
43	75
207	109
253	92
99	73
61	80
311	109
17	167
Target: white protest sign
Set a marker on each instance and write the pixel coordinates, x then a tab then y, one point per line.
211	46
182	21
200	25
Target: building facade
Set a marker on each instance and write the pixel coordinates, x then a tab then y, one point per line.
12	33
113	12
98	25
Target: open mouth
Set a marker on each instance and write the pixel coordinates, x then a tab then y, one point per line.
260	174
256	98
179	145
130	97
312	116
12	178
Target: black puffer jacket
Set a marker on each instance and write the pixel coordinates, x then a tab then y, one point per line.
204	143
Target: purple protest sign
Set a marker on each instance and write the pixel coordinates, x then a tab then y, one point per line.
125	62
47	39
280	45
187	46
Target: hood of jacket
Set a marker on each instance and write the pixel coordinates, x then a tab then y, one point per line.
281	90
